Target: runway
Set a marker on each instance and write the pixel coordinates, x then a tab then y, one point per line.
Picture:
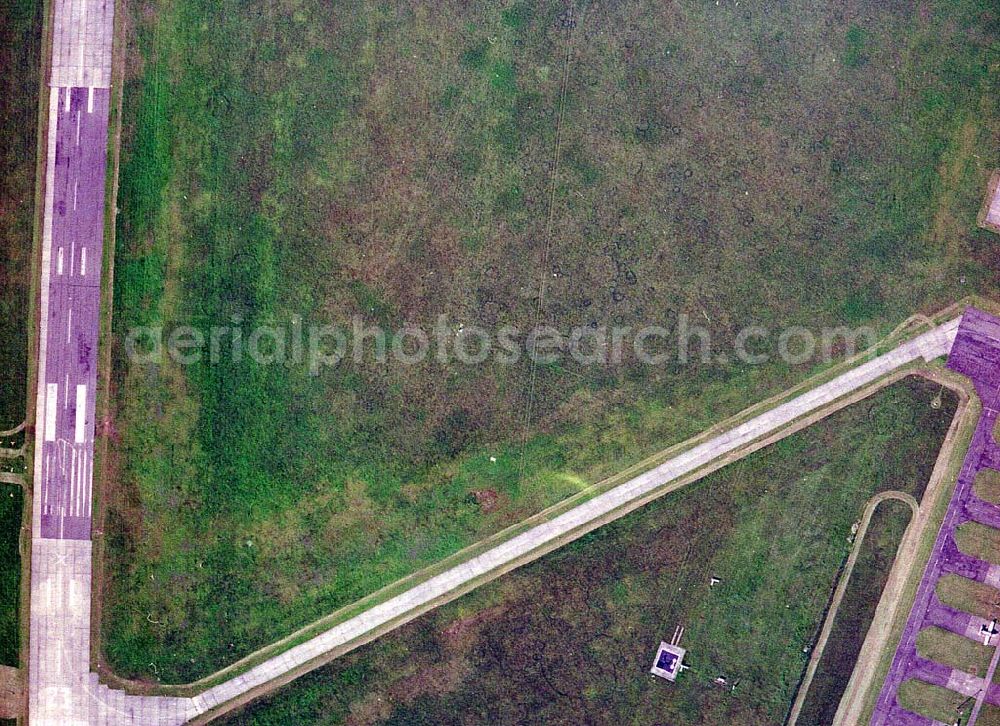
62	690
66	413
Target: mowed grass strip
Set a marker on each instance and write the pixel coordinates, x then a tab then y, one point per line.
987	485
969	596
979	540
20	45
933	701
954	650
10	573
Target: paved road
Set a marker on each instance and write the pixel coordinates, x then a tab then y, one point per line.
16	430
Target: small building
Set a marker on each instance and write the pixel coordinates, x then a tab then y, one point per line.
989	216
669	661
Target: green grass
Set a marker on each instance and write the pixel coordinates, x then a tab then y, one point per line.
10	573
979	541
871	570
383	161
20	41
570	638
969	596
954	650
987	485
933	701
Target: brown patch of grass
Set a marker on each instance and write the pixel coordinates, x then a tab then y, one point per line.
11	692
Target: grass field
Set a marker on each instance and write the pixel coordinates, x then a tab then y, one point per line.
954	650
969	596
933	701
501	164
10	573
987	485
570	638
944	705
20	38
855	614
979	541
20	42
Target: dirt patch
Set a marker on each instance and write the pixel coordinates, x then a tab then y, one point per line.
487	499
370	710
11	691
462	631
435	680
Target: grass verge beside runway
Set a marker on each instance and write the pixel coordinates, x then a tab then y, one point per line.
20	44
10	573
571	637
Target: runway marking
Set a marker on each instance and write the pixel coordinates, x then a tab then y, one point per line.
61	450
90	100
78	115
59	262
69	325
72	257
78	483
72	481
85	485
90	491
83	262
46	483
66	96
81	411
51	396
76	189
66	393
